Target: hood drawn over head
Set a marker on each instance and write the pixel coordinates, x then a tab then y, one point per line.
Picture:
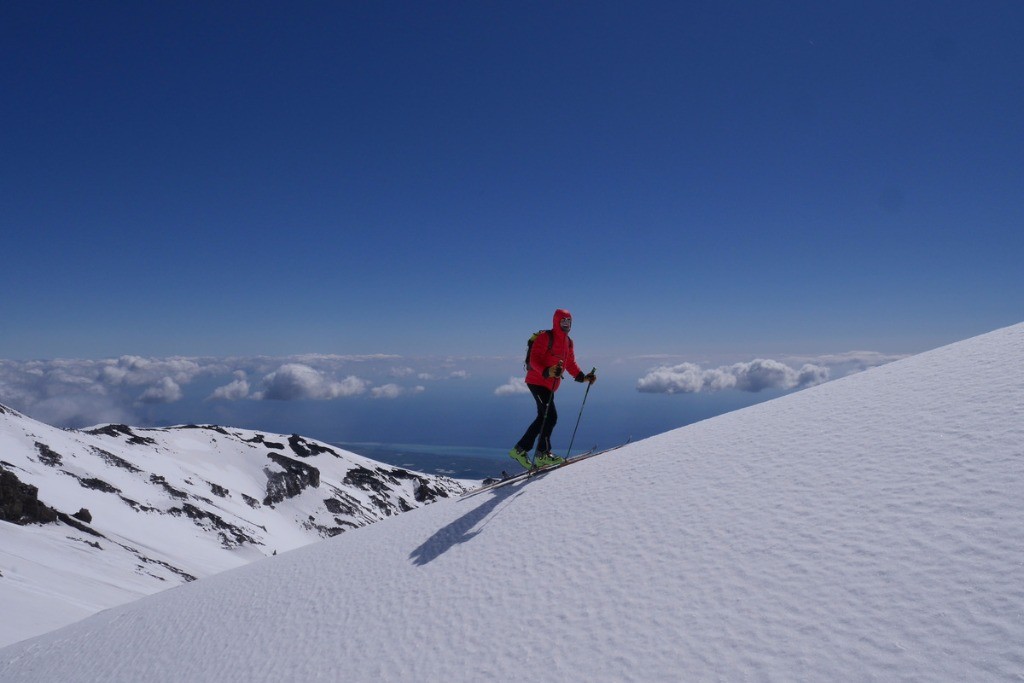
556	320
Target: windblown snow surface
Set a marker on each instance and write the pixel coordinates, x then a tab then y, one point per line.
871	528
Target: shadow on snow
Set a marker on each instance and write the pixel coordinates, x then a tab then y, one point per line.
464	528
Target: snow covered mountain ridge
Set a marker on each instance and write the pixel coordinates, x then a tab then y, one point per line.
113	513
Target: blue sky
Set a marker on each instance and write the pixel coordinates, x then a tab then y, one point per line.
706	183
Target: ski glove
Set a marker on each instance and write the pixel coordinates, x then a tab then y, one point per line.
554	371
589	377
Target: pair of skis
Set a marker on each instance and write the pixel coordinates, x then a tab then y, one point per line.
533	472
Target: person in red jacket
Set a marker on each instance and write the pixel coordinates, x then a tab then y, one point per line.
550	357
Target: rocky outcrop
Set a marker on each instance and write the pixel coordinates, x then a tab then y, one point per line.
19	502
114	461
48	456
171	491
297	477
366	479
304	449
122	430
230	535
260	439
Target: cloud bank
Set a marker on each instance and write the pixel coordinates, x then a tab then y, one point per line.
295	381
757	375
80	392
76	393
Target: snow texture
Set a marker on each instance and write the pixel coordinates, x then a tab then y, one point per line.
864	529
166	506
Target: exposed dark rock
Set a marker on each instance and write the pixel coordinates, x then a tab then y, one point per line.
218	490
83	515
342	504
175	493
212	428
138	506
97	484
122	430
230	535
383	505
261	440
330	531
48	456
19	502
114	460
404	505
72	522
367	480
184	575
425	493
290	483
304	449
251	502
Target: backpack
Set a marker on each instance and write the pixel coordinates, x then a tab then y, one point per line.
533	338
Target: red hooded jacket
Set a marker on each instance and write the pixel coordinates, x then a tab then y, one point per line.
561	350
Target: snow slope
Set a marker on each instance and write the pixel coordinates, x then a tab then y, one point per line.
170	505
865	529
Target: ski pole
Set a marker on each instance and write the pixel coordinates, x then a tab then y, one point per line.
593	371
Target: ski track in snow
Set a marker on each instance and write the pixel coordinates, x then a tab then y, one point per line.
866	529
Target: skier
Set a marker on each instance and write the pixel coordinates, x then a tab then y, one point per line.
551	354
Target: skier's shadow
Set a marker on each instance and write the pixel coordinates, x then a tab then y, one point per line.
462	529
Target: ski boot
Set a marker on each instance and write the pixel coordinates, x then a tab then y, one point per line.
547	459
521	457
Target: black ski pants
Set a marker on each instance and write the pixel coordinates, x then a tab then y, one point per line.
542	426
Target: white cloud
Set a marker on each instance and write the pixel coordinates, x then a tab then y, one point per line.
235	391
685	378
755	376
134	389
164	391
295	381
138	371
83	392
515	385
394	391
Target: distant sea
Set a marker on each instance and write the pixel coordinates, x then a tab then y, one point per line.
459	462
